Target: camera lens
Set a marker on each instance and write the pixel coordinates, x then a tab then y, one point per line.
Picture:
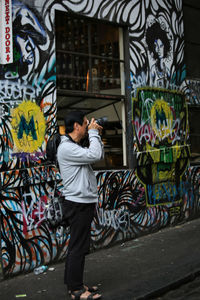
102	121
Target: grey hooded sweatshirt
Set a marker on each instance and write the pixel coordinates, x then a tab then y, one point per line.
74	161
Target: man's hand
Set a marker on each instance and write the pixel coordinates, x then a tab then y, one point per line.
93	125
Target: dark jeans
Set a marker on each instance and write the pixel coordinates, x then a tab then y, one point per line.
79	216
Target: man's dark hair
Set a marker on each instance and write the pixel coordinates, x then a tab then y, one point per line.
71	118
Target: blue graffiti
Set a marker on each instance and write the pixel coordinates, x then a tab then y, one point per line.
27	128
168	192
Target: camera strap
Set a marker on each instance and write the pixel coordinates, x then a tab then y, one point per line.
84	143
69	137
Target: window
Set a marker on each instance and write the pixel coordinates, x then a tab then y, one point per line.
90	77
87	55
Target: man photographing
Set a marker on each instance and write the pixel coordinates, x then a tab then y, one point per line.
80	192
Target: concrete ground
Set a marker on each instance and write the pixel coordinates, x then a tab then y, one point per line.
189	291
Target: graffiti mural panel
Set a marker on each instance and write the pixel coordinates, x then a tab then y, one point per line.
161	132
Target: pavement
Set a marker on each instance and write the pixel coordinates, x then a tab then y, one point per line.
142	268
187	291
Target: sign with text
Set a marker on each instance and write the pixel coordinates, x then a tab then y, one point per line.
6	36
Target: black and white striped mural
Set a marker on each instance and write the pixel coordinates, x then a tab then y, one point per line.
28	88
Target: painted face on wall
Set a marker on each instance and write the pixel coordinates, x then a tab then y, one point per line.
159	48
27	47
29	34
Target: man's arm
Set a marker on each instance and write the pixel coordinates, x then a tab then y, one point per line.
75	154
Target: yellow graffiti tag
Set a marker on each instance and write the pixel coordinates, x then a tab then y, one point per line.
161	119
28	127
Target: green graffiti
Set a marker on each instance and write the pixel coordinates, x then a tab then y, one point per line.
166	155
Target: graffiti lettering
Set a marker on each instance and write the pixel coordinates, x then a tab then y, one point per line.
138	81
168	192
27	128
174	211
145	133
117	219
16	90
33	157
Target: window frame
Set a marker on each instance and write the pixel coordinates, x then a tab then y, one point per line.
126	102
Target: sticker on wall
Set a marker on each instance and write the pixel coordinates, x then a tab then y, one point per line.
28	127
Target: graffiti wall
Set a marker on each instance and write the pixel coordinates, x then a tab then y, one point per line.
162	190
123	212
27	119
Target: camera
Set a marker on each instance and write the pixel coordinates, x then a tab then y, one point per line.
102	121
